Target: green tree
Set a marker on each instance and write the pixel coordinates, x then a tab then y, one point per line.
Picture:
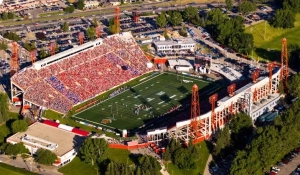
112	27
149	164
95	22
167	154
44	156
43	53
294	88
19	126
93	150
69	9
12	36
4	132
11	15
3	107
229	4
15	149
283	18
246	7
161	20
65	27
29	46
183	32
223	140
4	16
80	4
91	33
3	45
190	14
175	18
122	2
166	35
293	5
241	129
183	159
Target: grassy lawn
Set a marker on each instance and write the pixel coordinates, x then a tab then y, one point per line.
270	47
50	14
120	155
10	170
77	167
201	162
159	93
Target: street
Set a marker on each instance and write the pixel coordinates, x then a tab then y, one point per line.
30	165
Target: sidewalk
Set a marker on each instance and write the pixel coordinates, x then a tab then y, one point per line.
206	170
30	165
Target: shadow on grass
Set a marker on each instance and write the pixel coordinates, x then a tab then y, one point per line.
271	55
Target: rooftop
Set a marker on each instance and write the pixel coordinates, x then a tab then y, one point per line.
45	135
176	42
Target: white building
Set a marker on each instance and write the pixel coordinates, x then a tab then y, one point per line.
61	139
186	44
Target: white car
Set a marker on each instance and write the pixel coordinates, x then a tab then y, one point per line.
275	168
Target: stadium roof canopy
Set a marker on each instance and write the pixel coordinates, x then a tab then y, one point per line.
175	42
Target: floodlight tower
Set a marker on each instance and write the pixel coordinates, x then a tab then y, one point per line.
52	48
14	59
270	69
33	55
231	89
284	64
212	100
255	75
98	31
81	38
195	112
117	19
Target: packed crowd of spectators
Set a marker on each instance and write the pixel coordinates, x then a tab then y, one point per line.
63	84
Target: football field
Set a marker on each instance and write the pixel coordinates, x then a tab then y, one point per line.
153	96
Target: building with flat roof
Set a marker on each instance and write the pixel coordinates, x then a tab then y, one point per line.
185	44
62	140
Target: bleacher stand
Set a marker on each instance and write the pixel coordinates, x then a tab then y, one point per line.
75	79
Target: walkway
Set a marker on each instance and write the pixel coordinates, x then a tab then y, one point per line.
206	170
20	163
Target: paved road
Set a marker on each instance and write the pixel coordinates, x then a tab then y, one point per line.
289	168
142	8
29	165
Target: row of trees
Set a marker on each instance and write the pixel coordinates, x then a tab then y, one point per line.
95	152
271	143
229	32
12	36
175	17
7	15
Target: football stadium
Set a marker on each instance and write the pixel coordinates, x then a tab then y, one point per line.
154	96
77	76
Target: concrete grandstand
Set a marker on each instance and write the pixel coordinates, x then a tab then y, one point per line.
69	78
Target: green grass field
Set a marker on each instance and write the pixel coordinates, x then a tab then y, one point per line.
77	167
11	170
8	172
269	48
159	93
